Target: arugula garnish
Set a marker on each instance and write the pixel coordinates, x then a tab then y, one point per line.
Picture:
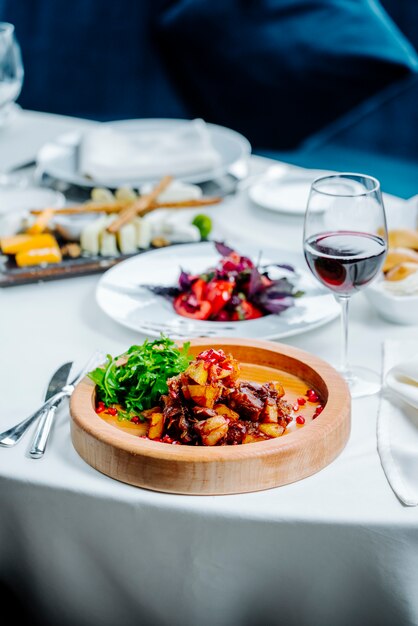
137	378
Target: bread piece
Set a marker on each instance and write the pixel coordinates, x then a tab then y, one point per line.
401	271
399	255
403	238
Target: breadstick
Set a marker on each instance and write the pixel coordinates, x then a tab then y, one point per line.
115	207
41	222
126	215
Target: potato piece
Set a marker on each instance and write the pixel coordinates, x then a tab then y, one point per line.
213	430
272	430
217	372
204	395
251	438
157	426
224	410
270	413
197	372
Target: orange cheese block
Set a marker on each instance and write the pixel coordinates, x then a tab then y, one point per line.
36	256
21	243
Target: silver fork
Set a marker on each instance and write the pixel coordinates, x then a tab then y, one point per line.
14	434
185	333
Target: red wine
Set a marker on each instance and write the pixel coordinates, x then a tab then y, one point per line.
345	261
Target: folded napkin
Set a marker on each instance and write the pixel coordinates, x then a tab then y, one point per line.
397	425
111	155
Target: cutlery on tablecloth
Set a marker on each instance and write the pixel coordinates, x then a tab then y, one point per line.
43	428
58	380
13	435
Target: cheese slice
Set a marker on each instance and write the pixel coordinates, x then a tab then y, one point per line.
108	245
90	235
20	243
36	256
126	237
143	233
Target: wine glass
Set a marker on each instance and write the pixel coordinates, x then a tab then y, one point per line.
345	244
11	70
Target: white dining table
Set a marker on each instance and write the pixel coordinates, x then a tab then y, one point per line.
337	548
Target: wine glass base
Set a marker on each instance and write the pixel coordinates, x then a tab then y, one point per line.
363	382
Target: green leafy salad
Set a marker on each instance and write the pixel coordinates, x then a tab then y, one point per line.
137	378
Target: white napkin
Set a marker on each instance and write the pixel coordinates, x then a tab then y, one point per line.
110	155
397	424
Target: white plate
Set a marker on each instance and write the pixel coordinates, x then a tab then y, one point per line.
59	159
118	295
288	194
25	198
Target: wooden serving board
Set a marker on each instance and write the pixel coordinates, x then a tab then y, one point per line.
117	450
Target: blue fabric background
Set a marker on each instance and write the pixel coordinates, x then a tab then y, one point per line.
277	70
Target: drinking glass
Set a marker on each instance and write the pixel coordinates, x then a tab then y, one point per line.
11	70
345	244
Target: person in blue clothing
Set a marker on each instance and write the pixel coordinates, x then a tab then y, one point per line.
276	70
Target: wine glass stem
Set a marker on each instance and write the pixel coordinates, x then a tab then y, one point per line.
344	368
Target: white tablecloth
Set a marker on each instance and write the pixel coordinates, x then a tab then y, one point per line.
335	549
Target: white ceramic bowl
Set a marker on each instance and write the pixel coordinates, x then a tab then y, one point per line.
393	308
71	226
15	202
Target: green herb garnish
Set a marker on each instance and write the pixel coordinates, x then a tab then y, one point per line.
204	223
137	378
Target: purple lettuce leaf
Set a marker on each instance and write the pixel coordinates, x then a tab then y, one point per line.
185	282
275	298
279	305
255	283
223	249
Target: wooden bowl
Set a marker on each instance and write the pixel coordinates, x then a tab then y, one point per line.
224	469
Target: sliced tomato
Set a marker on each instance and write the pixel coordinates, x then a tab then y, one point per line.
246	311
218	293
201	311
198	288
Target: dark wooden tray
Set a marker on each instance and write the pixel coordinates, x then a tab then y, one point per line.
11	275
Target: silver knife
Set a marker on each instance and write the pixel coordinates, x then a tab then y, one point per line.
14	434
43	428
11	436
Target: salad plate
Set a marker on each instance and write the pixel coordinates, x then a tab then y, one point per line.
60	159
123	295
